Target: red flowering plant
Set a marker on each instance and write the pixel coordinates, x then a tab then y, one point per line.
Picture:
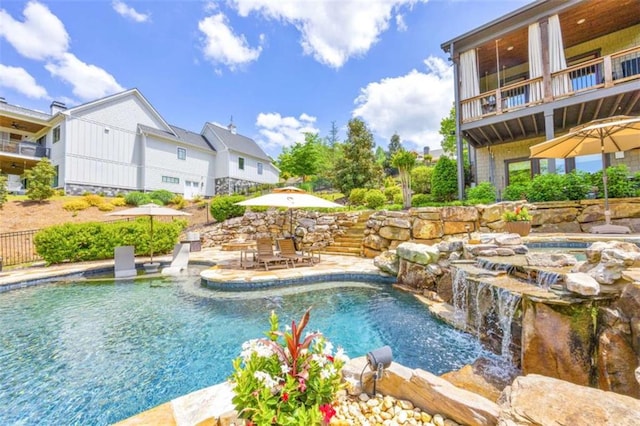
287	379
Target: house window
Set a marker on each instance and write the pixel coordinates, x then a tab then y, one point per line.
518	171
170	179
42	140
182	154
56	134
260	168
240	163
55	178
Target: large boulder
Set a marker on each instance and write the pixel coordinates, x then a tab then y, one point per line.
418	253
427	229
539	400
617	362
387	262
582	283
550	259
395	233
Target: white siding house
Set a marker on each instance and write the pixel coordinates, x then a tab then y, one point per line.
121	143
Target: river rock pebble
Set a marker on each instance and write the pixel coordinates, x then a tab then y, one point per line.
378	410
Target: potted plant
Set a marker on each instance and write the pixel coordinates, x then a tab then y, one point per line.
287	378
517	221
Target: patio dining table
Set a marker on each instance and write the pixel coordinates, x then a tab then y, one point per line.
246	248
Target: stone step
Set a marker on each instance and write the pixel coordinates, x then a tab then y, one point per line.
345	238
354	251
346	244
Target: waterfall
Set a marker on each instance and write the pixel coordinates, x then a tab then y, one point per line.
480	286
507	305
459	285
546	279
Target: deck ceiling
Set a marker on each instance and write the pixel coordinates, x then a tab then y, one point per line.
531	126
18	126
599	19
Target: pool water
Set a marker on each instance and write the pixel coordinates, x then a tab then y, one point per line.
98	352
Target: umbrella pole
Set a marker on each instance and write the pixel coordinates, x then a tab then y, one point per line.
151	241
607	214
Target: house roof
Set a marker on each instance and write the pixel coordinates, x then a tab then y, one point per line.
129	92
238	143
179	135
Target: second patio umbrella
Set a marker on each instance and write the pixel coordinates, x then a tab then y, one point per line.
614	134
291	198
150	210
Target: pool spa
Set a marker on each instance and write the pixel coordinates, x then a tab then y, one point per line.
99	351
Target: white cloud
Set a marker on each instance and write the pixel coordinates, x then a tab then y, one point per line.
21	81
89	81
330	32
400	24
277	131
129	12
222	46
42	35
411	105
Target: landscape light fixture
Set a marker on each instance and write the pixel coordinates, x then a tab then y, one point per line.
378	360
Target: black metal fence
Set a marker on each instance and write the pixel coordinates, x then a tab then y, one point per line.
18	247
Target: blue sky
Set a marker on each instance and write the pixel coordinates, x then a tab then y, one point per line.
279	67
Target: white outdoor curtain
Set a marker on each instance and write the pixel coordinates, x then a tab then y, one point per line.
469	84
557	61
535	62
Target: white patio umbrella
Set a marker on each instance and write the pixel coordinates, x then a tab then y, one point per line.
614	134
150	210
291	198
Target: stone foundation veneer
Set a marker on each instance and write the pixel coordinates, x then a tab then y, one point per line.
227	186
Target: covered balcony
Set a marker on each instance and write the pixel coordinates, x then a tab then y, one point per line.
580	60
22	134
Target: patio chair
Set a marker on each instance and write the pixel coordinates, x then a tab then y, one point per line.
288	250
180	259
125	262
265	254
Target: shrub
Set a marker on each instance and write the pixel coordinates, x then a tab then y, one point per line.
306	186
93	200
356	196
4	193
547	187
162	195
259	209
224	207
444	181
374	199
118	202
178	202
287	378
619	184
106	207
483	193
78	242
398	198
421	200
394	207
421	179
577	185
76	205
516	191
137	198
390	192
39	180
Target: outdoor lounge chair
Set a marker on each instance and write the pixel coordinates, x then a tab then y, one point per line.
265	254
125	262
180	260
288	250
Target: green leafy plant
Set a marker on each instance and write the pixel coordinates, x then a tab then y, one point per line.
356	196
76	205
619	184
3	190
421	200
444	181
374	199
224	207
287	379
517	214
516	191
39	181
137	198
547	187
163	196
483	193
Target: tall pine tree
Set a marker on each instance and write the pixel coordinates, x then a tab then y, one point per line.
358	167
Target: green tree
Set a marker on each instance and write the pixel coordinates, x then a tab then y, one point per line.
332	139
394	147
357	168
302	159
404	161
39	180
444	182
381	156
3	189
448	133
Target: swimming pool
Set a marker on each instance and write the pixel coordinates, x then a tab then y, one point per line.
98	352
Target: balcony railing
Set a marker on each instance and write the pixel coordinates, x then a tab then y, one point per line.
606	71
26	149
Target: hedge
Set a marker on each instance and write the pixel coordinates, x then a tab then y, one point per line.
79	242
